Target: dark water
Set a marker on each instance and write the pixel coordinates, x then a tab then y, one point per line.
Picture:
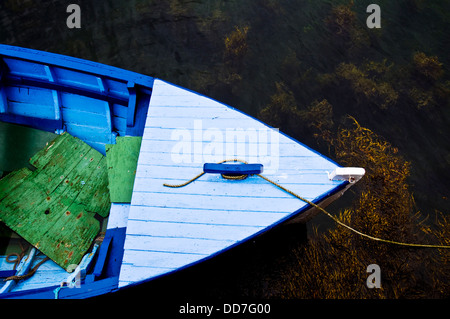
18	144
288	41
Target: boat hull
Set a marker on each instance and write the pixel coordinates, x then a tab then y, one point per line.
156	230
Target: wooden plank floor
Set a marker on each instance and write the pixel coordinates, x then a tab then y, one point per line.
169	228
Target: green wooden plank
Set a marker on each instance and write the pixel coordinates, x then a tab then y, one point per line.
95	194
70	236
122	160
59	199
12	180
42	157
60	160
54	207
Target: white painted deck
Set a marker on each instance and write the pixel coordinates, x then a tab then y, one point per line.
169	228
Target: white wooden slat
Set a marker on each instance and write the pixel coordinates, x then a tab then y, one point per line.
251	151
131	273
177	101
167	90
201	216
177	245
174	97
217	202
198	132
236	124
183	172
318	172
192	112
203	186
157	259
162	127
205	143
250	147
195	135
185	230
271	164
118	215
295	181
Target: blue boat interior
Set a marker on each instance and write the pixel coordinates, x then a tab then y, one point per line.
90	101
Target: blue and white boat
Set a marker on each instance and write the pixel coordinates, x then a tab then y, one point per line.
161	229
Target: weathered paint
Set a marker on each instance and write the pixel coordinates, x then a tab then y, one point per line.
121	161
91	101
53	207
48	274
22	269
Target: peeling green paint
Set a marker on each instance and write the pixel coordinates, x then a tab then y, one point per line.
54	206
122	160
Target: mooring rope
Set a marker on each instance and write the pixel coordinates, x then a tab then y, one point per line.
226	176
18	256
30	273
16	262
314	205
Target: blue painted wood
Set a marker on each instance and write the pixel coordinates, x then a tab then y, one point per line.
3	99
55	93
41	124
75	64
30	102
239	169
7	273
22	269
131	104
48	274
141	114
101	259
68	88
93	289
93	102
87	290
115	256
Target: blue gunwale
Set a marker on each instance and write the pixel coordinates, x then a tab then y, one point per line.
69	91
68	62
